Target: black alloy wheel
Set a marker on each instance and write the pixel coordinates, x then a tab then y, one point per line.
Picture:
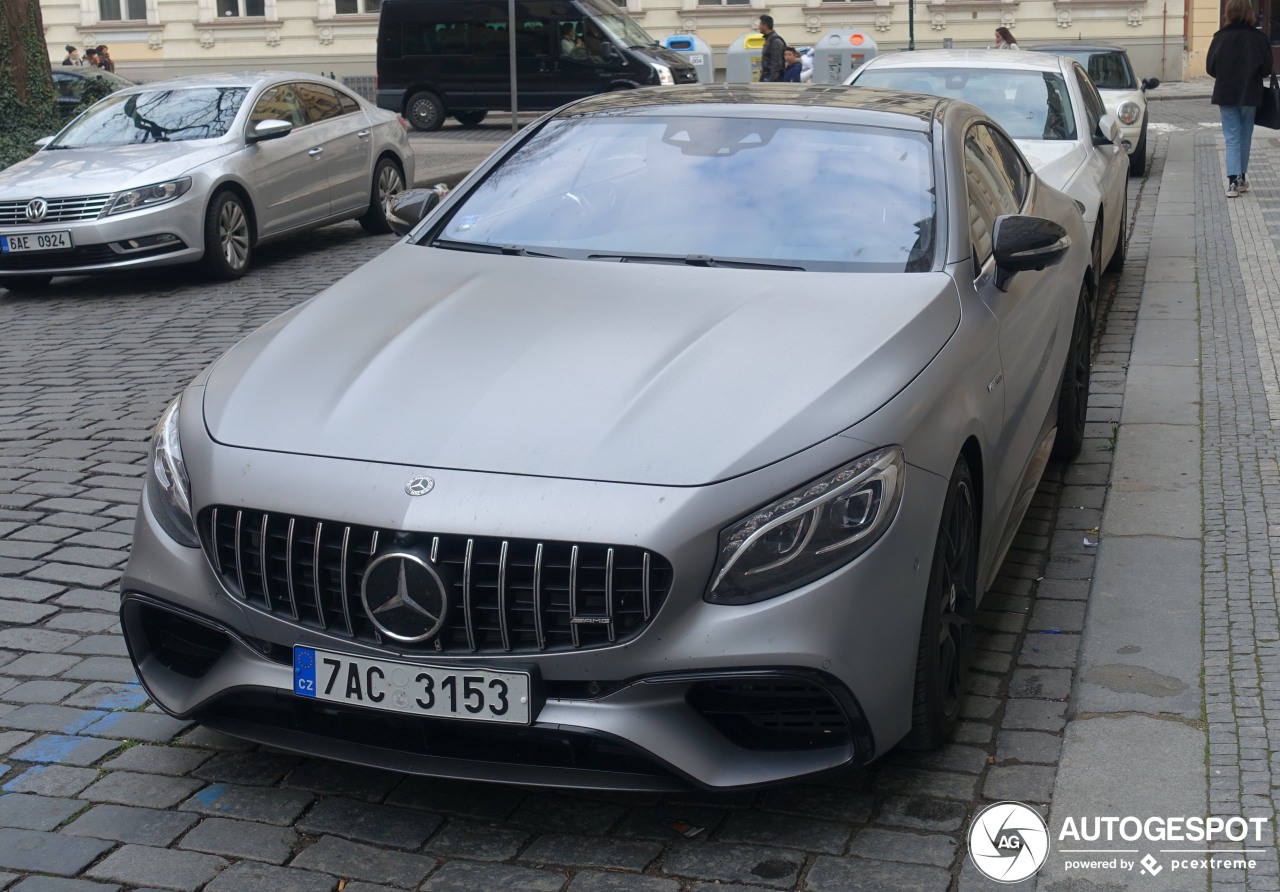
946	632
1116	264
1138	160
1073	393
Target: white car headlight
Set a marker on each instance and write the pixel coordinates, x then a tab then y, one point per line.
664	75
168	487
810	532
146	196
1128	113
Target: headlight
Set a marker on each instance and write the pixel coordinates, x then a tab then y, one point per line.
168	488
147	196
664	75
1128	113
809	532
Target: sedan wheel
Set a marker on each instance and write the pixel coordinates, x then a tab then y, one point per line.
228	237
1073	393
387	181
946	632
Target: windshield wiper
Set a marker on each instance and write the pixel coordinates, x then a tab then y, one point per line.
695	260
483	248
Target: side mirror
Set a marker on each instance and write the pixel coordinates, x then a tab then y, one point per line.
1023	243
1108	131
405	210
266	130
43	141
1150	83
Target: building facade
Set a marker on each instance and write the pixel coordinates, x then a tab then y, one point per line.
153	39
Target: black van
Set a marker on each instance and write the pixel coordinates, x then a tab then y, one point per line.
451	57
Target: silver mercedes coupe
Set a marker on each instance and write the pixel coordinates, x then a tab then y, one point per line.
676	447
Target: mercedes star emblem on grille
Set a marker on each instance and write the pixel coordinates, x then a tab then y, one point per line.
419	486
404	596
36	209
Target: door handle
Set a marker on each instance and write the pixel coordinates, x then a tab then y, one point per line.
363	134
316	151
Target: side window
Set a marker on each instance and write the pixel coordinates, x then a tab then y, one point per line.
318	101
1092	101
349	105
1012	166
278	104
990	192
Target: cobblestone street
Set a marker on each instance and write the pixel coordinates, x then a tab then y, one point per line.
102	789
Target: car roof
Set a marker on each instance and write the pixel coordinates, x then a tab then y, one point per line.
1000	59
231	79
1075	47
857	105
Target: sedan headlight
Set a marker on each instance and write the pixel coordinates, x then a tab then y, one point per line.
664	75
168	487
1128	113
810	532
146	196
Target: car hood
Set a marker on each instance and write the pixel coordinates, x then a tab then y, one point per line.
63	173
1055	160
632	372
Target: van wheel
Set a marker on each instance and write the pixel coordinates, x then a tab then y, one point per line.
425	111
946	631
387	181
470	118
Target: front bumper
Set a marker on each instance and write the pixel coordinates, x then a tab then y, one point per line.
160	236
655	719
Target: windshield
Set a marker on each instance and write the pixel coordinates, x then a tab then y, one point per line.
709	191
621	28
1108	70
156	116
1027	104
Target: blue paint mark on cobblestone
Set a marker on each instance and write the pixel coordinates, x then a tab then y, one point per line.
54	748
127	697
209	796
76	725
109	721
20	782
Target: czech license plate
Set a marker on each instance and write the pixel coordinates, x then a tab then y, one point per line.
482	695
36	241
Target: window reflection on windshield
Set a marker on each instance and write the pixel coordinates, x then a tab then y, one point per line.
788	193
1027	104
158	116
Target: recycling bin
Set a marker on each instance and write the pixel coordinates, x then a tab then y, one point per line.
742	63
697	51
838	53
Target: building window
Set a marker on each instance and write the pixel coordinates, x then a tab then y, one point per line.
724	2
356	7
240	9
122	10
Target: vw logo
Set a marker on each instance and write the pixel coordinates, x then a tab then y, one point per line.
404	596
1008	842
419	486
36	209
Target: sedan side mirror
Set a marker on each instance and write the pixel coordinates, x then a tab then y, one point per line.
1108	131
1023	243
266	130
405	210
1150	83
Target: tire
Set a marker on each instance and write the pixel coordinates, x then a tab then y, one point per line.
26	284
1095	252
946	631
1138	160
1116	263
1073	392
425	111
388	179
228	237
470	118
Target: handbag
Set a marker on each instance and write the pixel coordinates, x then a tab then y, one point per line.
1269	111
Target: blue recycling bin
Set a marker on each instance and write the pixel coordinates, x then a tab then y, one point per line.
697	51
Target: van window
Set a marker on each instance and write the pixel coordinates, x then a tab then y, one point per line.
477	30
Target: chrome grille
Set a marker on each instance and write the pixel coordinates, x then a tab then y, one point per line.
60	210
505	595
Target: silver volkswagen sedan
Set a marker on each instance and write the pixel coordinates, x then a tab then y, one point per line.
642	471
198	168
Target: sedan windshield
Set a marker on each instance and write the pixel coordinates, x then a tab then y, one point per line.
709	191
157	116
1027	104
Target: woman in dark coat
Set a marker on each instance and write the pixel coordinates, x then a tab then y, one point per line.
1239	58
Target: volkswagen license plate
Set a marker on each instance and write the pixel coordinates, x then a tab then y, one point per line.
482	695
36	241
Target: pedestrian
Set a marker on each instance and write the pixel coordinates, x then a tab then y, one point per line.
791	59
104	59
91	56
1004	40
771	63
1239	58
73	56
